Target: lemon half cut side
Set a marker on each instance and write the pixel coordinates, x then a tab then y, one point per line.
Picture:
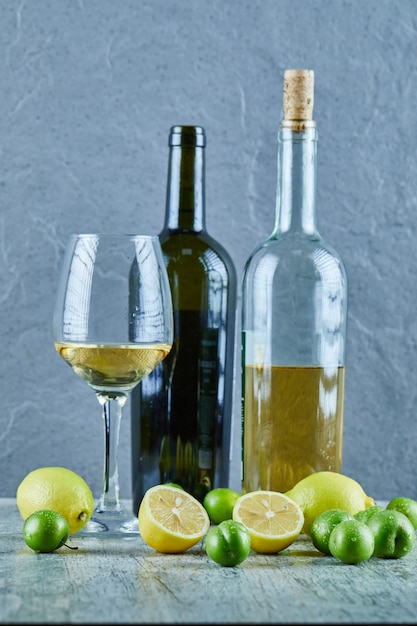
171	520
273	520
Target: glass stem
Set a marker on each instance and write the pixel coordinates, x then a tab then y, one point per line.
112	413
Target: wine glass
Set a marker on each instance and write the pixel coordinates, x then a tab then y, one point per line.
113	325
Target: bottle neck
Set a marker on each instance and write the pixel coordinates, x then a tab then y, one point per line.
296	180
185	200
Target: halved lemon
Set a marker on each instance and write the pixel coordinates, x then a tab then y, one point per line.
171	520
272	519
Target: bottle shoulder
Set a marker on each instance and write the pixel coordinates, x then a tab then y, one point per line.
286	255
294	304
187	248
201	273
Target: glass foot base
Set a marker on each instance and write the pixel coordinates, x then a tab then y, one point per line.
105	522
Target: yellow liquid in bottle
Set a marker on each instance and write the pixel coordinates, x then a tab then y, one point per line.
293	424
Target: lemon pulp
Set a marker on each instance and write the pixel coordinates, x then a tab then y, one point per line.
273	520
171	520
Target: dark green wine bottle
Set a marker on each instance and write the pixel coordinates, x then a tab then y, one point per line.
181	414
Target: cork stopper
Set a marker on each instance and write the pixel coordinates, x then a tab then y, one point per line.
298	97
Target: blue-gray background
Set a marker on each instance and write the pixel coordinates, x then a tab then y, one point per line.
89	90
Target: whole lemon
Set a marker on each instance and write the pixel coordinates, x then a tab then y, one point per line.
322	491
57	489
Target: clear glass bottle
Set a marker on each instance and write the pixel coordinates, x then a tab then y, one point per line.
181	414
294	315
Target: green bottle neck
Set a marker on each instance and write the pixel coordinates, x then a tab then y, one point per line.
185	200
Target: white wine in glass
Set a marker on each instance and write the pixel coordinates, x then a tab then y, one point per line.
113	325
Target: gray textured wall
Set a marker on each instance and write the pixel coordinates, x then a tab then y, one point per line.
89	89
